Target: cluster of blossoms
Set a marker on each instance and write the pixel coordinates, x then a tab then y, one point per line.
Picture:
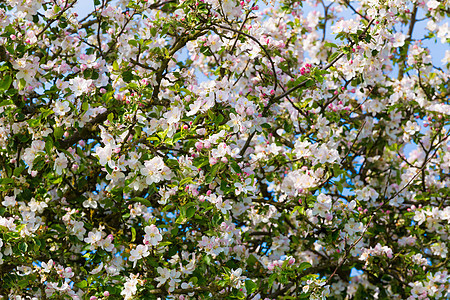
218	149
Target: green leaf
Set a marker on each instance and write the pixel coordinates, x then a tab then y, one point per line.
153	138
34	122
85	106
22	84
219	118
250	286
162	134
193	280
211	114
235	167
190	212
58	132
309	83
111	117
153	31
333	56
299	209
339	186
23	247
304	295
127	76
181	219
82	284
6	181
304	265
331	45
23	283
272	279
5	83
133	43
115	66
251	260
141	200
174	231
46	112
36	246
200	162
49	146
133	234
18	171
185	181
6	102
336	170
209	178
177	136
138	130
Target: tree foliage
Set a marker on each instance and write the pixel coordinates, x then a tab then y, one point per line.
215	149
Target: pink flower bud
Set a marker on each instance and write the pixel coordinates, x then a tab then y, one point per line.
199	146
